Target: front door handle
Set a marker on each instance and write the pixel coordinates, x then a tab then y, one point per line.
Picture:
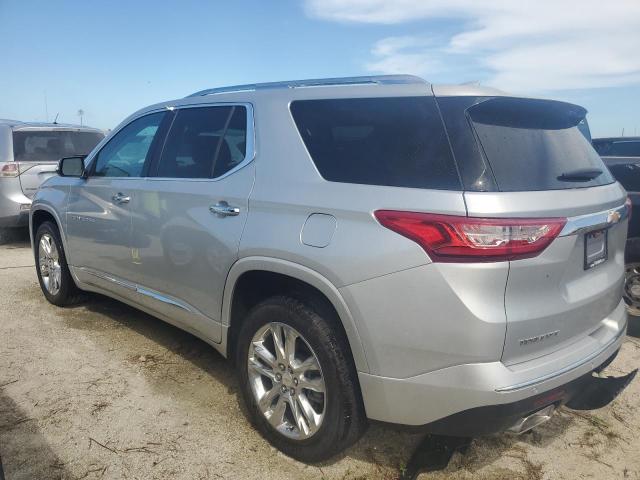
222	208
121	198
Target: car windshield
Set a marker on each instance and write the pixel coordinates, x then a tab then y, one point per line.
52	145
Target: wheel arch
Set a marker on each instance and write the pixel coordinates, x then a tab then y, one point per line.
280	272
40	214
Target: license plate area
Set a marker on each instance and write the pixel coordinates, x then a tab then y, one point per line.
595	248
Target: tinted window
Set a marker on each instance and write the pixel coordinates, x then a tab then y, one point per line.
397	142
624	148
52	145
628	175
126	153
204	142
535	144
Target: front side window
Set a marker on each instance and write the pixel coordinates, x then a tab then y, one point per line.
126	153
204	142
395	141
52	145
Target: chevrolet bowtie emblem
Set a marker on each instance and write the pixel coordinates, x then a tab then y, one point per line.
613	217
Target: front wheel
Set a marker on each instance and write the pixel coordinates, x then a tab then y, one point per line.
52	269
298	382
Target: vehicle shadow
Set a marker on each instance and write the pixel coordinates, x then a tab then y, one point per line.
24	450
14	237
385	447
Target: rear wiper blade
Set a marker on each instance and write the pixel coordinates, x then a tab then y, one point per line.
580	175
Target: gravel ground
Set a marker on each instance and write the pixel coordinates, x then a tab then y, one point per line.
102	391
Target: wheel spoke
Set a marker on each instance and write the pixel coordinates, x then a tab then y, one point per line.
298	416
267	399
312	419
263	354
290	345
276	333
45	245
315	384
309	365
276	418
262	369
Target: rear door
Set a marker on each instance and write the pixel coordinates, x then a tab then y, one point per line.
537	163
189	214
38	151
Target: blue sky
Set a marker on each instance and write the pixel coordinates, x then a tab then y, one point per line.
111	58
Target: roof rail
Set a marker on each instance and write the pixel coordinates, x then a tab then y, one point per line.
319	82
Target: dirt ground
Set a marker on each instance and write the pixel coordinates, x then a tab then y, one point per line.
102	391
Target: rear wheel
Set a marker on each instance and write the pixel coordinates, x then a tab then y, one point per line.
631	293
297	381
52	269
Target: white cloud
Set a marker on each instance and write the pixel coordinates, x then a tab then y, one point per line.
519	45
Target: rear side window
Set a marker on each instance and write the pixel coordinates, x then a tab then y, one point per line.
397	142
618	148
52	145
204	142
628	174
536	144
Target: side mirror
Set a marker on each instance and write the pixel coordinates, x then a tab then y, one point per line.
71	166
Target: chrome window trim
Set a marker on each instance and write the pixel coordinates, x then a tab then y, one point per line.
594	221
250	149
564	370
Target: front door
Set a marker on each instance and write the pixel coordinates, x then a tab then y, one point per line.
99	209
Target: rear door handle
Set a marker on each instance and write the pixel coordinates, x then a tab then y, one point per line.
121	198
224	209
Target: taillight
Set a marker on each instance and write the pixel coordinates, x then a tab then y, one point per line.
448	238
9	169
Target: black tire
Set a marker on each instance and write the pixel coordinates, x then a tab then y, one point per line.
69	293
344	421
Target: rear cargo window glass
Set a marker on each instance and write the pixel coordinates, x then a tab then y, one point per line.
52	145
204	142
396	142
536	144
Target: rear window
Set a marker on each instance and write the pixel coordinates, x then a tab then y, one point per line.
397	142
535	144
618	148
52	145
628	175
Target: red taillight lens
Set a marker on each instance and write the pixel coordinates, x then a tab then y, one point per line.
448	238
9	169
629	206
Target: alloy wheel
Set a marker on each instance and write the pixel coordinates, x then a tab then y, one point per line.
632	288
49	264
286	381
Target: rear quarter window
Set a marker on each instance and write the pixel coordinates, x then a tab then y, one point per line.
398	141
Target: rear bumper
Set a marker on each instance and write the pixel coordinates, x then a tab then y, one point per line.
14	205
483	398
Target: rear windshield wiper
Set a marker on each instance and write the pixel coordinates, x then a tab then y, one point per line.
580	175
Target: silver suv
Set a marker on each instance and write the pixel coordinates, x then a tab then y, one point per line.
367	248
29	154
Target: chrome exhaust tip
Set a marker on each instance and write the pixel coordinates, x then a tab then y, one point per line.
531	421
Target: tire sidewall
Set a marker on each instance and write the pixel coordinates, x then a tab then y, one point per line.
313	328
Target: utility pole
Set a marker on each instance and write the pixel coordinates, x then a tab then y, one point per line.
46	108
81	114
